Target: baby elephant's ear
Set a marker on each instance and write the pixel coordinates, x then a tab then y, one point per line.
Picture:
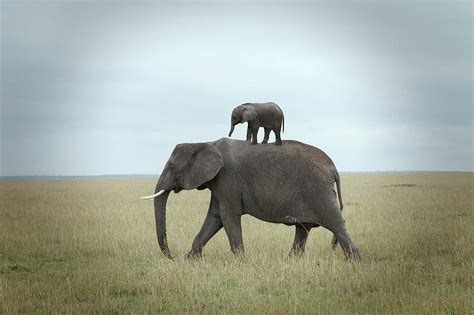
206	162
250	113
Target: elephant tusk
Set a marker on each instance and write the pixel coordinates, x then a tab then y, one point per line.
152	196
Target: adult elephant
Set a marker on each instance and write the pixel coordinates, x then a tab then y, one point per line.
291	184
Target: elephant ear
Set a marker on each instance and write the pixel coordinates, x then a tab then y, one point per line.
250	113
206	161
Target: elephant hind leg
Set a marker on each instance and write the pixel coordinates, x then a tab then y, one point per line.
301	235
277	136
336	224
349	249
267	135
334	242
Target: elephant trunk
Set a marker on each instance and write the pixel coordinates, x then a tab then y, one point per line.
231	130
160	220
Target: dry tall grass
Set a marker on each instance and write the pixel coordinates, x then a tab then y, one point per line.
90	246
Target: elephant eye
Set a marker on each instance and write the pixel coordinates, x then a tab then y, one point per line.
172	166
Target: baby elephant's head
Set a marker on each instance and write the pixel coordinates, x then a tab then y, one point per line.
241	114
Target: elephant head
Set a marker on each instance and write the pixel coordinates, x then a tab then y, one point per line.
242	114
189	166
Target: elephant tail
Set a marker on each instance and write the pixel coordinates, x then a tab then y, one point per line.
282	117
283	122
339	196
338	187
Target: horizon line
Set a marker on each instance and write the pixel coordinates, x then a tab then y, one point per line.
149	175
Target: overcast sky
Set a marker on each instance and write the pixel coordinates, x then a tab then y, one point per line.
109	88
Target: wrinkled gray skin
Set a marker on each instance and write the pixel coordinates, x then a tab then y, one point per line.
266	115
291	184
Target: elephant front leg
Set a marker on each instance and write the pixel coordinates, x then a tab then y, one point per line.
233	228
234	233
212	224
301	235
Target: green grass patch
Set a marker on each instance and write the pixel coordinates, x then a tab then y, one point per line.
90	246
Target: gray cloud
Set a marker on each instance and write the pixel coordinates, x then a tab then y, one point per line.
93	88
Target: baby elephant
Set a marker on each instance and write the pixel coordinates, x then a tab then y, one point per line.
267	115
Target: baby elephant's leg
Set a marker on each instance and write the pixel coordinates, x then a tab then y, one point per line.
254	135
249	133
267	135
277	136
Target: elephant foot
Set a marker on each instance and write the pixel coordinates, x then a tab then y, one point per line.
240	256
350	252
193	255
349	249
278	142
238	250
294	253
352	255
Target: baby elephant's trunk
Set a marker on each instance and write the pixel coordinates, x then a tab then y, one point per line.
231	130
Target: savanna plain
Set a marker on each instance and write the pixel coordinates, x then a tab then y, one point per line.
75	246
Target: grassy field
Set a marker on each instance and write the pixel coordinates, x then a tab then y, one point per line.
90	246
